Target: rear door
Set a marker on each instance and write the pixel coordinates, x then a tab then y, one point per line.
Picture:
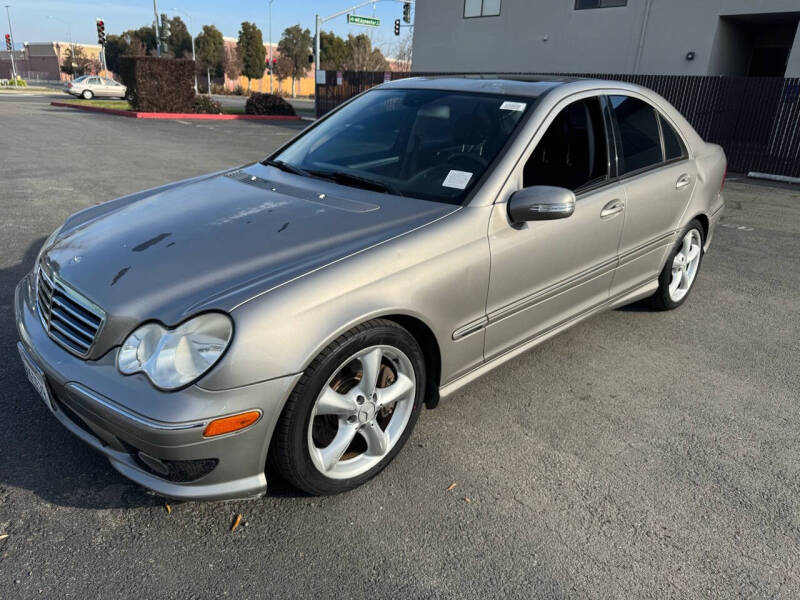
93	85
659	177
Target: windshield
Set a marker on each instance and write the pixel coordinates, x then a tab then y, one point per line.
81	78
427	144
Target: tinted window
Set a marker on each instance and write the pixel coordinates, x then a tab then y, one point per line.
583	4
573	151
673	146
481	8
638	129
428	144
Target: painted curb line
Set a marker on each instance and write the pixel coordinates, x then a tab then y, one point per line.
196	116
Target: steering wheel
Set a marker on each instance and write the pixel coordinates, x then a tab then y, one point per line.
475	158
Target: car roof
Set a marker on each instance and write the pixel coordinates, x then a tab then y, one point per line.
517	85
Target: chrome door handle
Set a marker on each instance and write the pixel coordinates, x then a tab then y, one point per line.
612	208
683	181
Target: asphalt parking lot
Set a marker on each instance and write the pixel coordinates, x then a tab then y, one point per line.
639	455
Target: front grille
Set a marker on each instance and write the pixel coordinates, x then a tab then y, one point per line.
68	317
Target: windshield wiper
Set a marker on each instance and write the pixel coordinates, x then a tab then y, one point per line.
346	178
284	166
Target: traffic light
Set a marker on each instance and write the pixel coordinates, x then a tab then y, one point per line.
9	47
101	32
407	12
397	26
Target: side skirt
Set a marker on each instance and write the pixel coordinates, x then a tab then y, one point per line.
622	299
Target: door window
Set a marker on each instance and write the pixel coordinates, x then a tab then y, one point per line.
573	153
673	146
638	132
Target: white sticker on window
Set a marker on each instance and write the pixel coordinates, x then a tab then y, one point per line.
457	179
517	106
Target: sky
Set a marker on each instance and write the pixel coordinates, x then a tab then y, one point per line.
55	20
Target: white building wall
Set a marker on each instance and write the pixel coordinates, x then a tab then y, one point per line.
646	36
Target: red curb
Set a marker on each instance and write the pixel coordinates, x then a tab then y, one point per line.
154	115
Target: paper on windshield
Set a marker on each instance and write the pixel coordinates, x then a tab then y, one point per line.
457	179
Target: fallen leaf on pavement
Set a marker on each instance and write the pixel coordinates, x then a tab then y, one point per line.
3	536
169	509
236	522
451	487
467	500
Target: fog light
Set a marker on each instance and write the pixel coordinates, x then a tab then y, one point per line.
232	423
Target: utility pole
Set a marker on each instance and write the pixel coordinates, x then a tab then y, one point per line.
270	46
11	33
158	37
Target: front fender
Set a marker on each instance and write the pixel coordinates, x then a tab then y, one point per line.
438	274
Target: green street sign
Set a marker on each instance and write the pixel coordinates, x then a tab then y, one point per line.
356	20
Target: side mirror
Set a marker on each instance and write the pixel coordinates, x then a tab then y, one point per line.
540	203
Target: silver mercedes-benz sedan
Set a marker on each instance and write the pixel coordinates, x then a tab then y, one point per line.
300	311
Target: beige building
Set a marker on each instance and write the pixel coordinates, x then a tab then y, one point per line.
42	60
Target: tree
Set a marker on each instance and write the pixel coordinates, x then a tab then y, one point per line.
403	54
179	41
252	52
232	62
210	52
284	67
146	36
333	51
295	43
77	63
363	57
116	46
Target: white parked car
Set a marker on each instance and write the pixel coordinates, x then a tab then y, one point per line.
89	86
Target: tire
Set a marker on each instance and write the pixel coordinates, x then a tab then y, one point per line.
313	431
669	296
87	95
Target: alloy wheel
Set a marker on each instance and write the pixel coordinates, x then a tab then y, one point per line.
685	265
361	412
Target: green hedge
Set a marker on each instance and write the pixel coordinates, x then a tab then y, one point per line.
158	84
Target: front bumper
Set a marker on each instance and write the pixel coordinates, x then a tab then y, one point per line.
123	416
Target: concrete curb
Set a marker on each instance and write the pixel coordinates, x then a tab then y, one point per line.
153	115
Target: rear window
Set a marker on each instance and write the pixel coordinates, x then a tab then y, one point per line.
673	146
639	134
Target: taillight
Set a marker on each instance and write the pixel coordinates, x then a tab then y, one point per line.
69	84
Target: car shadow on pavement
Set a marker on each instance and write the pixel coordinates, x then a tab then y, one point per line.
40	455
43	457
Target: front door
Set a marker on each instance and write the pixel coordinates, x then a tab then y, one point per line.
544	273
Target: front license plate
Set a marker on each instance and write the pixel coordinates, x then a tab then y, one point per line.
36	377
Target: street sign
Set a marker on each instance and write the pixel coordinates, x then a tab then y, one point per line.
357	20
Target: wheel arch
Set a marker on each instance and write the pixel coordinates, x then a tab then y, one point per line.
704	221
420	331
430	350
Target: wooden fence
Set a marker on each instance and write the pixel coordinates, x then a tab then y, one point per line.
755	119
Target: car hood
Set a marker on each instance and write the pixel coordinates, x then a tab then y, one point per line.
212	243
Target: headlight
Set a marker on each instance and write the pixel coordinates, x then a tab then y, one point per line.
172	358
